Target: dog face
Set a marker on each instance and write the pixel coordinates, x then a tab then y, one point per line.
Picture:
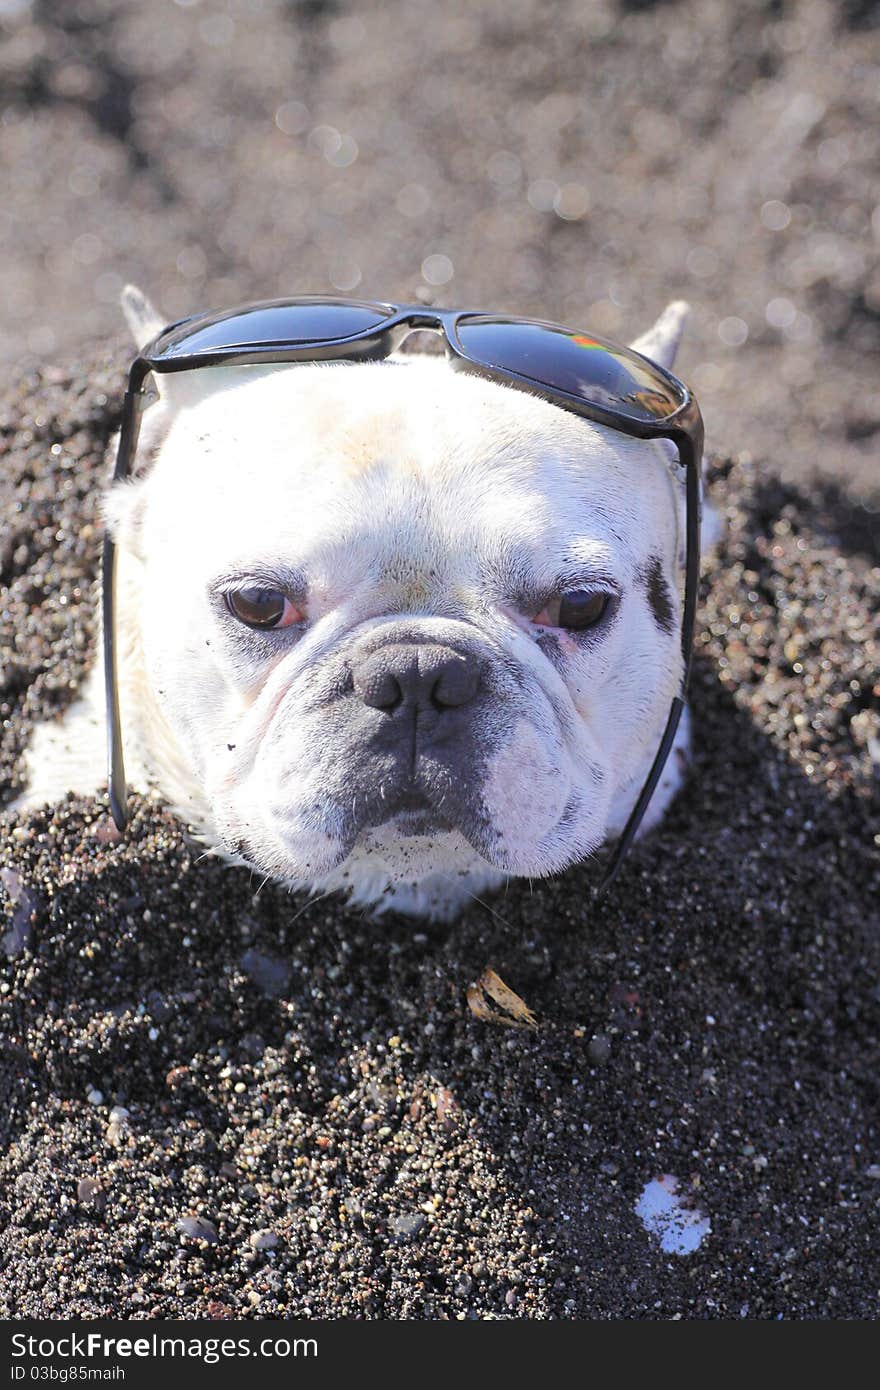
389	610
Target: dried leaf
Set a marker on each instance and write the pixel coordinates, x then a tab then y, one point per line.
492	1001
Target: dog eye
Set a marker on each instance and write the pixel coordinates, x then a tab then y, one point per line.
262	608
576	610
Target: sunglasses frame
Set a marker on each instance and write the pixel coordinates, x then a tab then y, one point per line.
683	427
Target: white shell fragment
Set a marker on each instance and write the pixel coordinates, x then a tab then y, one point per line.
680	1229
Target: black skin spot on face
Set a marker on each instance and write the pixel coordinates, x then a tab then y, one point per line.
659	596
569	816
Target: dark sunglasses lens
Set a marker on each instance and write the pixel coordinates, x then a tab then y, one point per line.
598	372
270	324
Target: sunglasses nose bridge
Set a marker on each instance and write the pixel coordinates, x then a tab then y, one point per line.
426	320
419	320
423	320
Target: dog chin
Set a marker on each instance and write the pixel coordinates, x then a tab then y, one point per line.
410	845
410	848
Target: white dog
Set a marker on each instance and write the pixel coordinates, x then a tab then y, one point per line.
387	628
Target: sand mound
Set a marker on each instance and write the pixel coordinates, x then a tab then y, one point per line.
219	1103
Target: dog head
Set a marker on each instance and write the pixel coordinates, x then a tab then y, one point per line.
386	609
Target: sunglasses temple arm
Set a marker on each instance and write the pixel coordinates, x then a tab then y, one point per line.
690	454
635	818
115	761
128	435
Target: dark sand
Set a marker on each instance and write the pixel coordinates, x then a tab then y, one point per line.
314	1086
308	1093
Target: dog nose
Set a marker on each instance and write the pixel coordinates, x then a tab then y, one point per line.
418	676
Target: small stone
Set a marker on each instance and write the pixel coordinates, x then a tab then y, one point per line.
264	1240
873	1171
407	1226
12	883
198	1228
117	1135
158	1006
269	974
219	1311
448	1109
91	1194
24	904
106	833
95	1097
599	1048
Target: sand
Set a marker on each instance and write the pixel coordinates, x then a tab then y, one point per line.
222	1102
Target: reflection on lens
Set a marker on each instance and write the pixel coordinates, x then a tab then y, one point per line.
596	371
271	324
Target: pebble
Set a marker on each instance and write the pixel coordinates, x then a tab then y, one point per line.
198	1228
265	1240
407	1226
91	1194
12	882
599	1048
106	832
25	903
270	974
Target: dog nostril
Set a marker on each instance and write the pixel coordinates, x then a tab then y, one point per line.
456	684
378	688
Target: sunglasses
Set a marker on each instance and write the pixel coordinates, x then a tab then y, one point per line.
578	372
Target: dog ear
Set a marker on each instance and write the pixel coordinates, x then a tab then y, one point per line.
176	390
124	503
143	318
660	343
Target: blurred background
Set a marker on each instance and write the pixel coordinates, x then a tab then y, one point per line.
581	160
